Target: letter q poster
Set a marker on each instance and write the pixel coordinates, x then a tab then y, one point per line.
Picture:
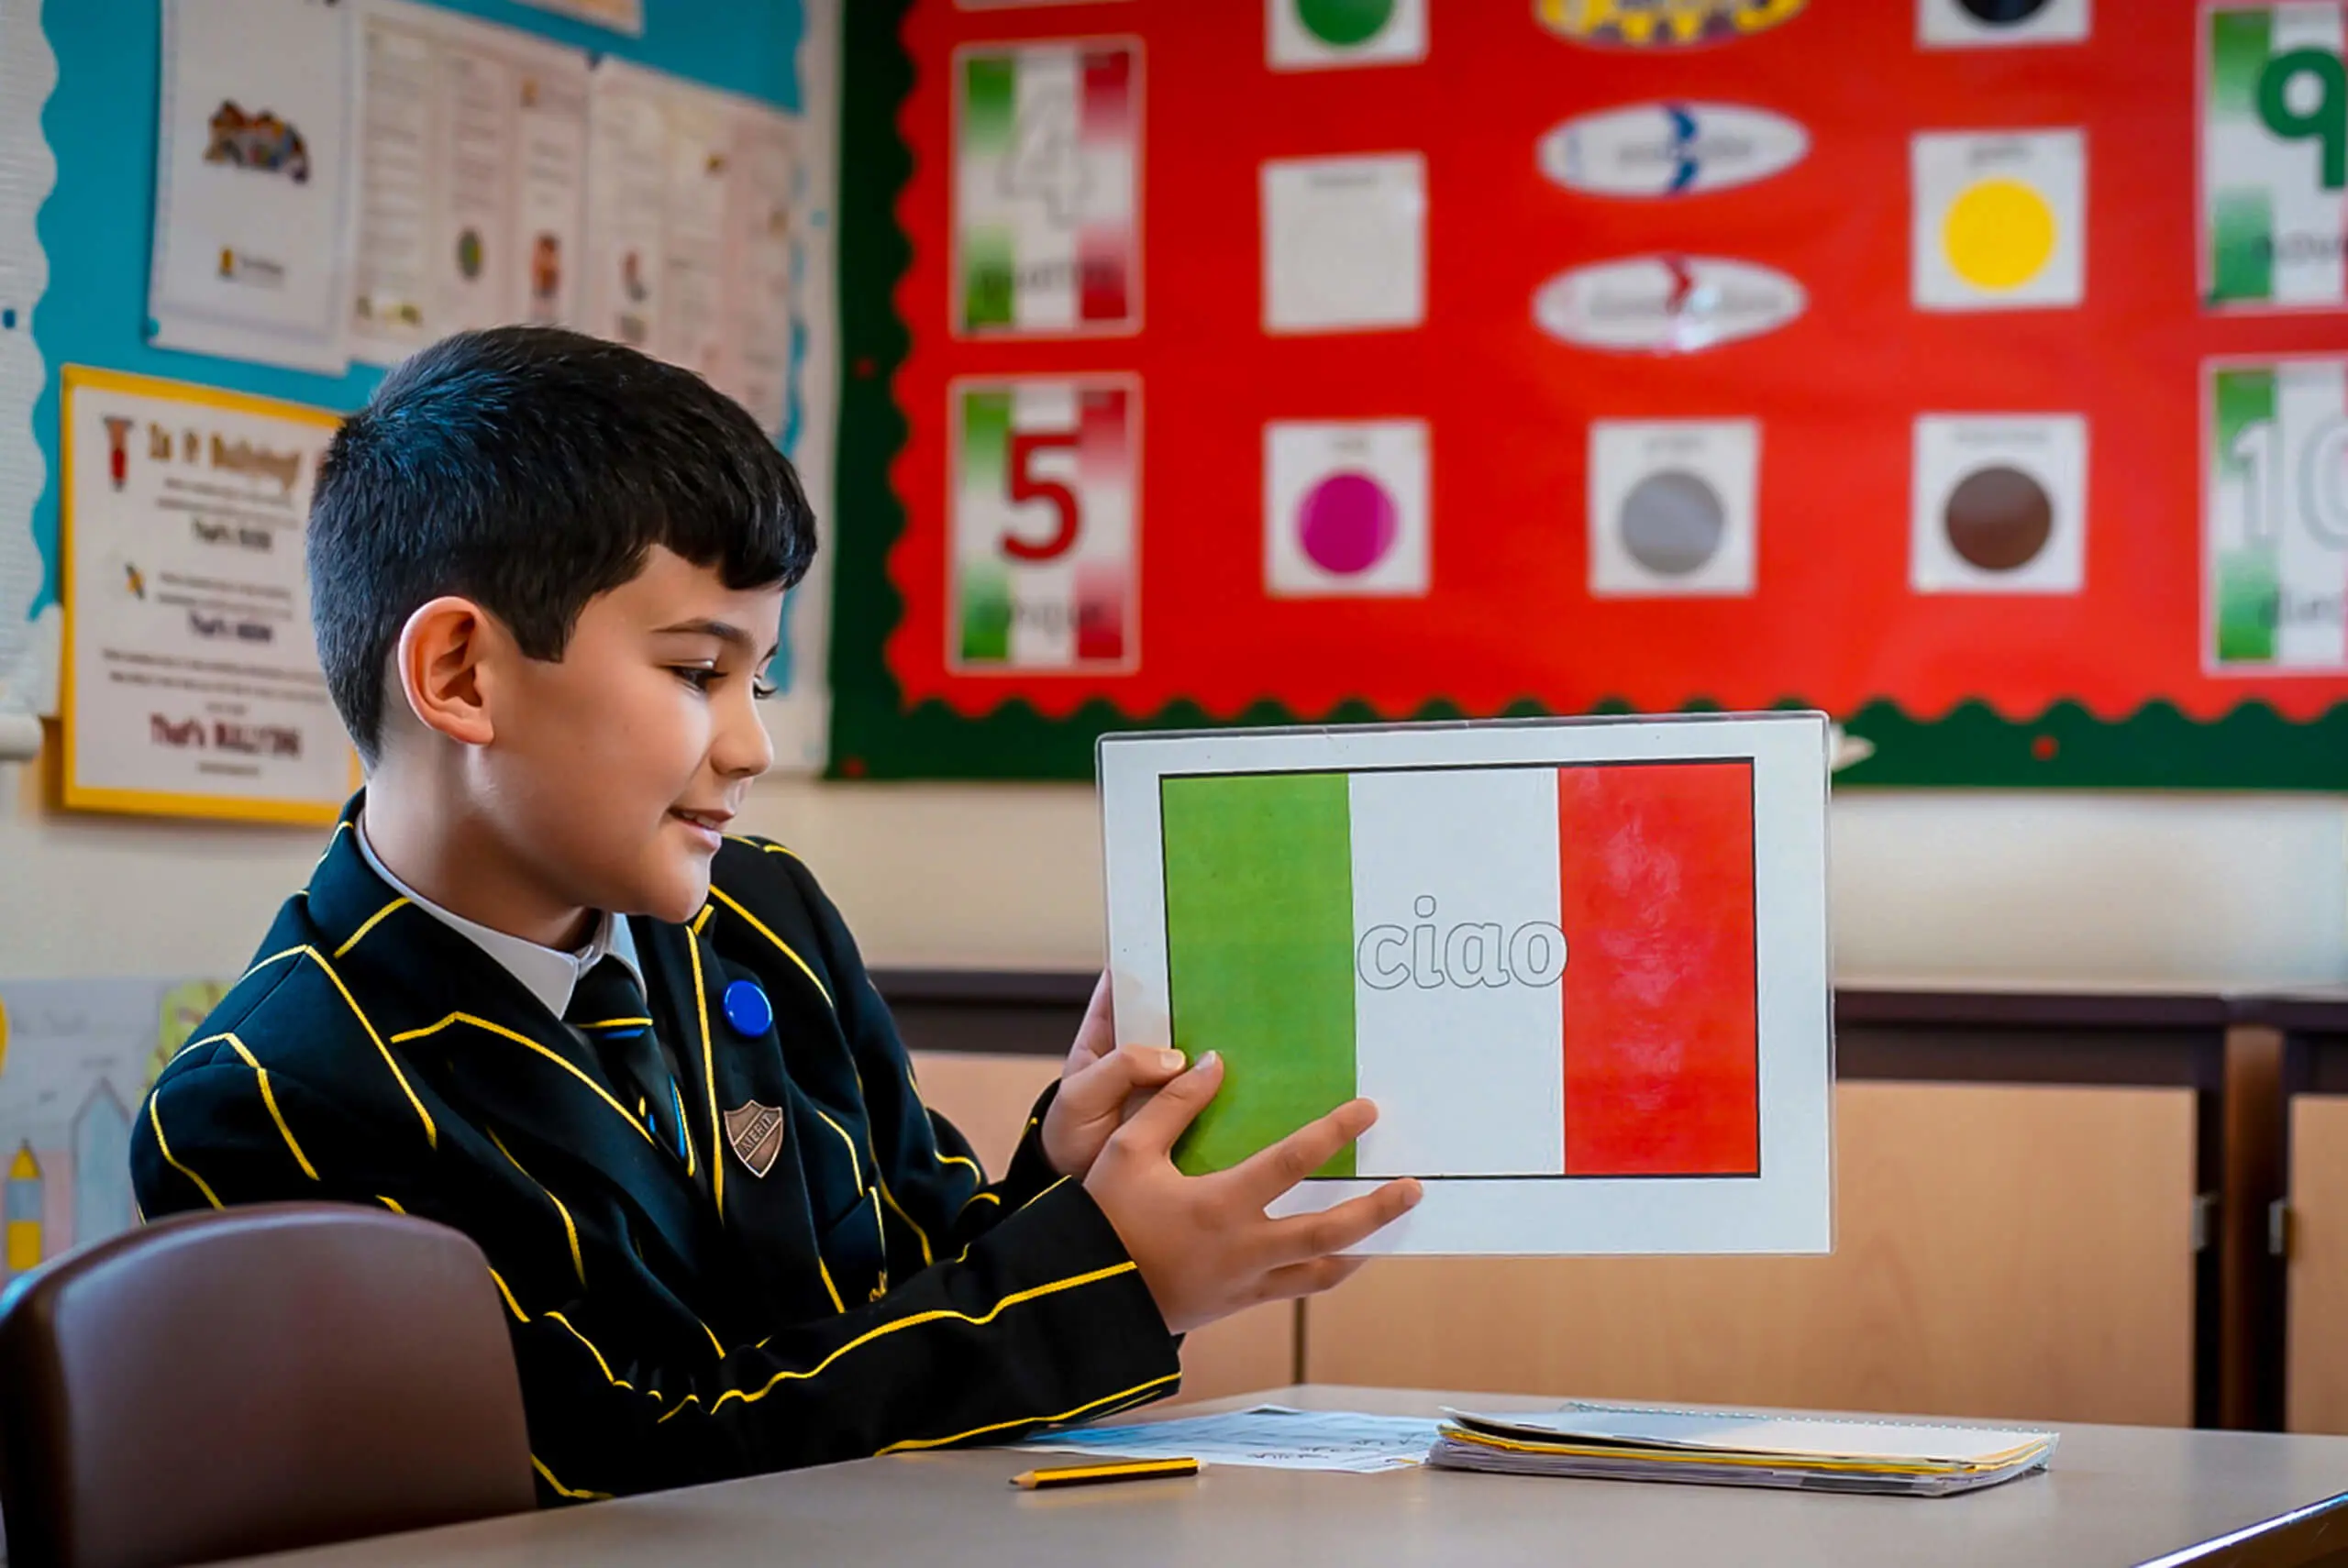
1581	966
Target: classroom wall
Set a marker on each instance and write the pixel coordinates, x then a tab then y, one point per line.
2136	890
2132	890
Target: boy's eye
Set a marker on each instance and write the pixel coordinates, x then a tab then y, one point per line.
764	689
694	676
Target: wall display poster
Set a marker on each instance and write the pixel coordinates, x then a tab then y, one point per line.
349	181
76	1060
1566	957
1728	354
472	162
192	685
253	183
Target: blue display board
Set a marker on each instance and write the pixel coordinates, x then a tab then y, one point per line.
99	222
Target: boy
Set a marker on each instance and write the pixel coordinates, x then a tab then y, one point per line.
534	991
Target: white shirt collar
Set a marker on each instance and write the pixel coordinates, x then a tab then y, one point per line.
546	973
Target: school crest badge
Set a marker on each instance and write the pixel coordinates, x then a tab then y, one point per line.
756	1133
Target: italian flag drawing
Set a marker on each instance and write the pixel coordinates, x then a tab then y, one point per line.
1535	971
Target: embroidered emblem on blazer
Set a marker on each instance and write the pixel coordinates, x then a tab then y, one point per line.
756	1133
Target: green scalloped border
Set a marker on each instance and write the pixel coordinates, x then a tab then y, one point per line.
874	735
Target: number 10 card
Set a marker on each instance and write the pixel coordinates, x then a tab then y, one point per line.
1581	964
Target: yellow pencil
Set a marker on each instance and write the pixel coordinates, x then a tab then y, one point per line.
1092	1475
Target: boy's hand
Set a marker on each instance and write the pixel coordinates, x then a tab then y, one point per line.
1203	1245
1097	1081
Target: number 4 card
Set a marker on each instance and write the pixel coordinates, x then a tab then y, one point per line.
1581	964
1045	489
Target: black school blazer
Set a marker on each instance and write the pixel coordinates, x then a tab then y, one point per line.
674	1322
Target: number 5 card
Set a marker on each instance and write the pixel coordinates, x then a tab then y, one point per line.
1046	477
1581	964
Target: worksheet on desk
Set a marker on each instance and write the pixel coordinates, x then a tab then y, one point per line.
1582	966
1276	1437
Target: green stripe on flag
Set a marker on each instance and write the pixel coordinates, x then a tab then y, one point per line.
990	102
2241	241
2239	41
2249	577
1259	953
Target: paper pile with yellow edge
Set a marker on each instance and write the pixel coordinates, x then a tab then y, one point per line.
1733	1449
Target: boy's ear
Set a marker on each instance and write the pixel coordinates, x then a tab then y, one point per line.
439	658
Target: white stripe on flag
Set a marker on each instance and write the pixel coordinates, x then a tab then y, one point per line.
1468	1077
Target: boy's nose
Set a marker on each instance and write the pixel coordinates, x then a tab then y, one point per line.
743	748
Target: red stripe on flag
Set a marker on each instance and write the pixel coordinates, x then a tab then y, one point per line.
1662	1048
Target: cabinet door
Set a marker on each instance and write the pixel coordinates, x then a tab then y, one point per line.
2001	1251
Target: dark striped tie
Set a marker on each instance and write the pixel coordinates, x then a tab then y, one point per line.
608	1010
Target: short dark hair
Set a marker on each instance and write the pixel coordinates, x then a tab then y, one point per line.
531	469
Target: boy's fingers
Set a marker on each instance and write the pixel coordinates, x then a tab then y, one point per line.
1101	1088
1302	1237
1155	1125
1097	1035
1269	1172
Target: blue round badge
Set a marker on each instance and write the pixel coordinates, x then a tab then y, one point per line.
747	1010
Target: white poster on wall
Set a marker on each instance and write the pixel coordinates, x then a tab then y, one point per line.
252	181
472	179
192	680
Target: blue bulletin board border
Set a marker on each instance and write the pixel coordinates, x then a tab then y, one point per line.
876	735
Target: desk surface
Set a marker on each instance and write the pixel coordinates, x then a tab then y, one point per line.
2116	1495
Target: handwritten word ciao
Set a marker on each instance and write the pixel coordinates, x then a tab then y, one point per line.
1469	954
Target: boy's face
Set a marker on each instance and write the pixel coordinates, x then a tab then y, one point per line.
618	766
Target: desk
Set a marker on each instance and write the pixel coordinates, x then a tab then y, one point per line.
2116	1495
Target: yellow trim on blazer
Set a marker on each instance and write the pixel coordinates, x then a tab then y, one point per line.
919	1234
915	1320
392	1205
760	926
855	1169
609	1376
539	1465
498	1029
155	1120
709	1081
339	829
995	1199
910	1445
511	1305
269	1098
829	1288
370	925
431	1134
578	1264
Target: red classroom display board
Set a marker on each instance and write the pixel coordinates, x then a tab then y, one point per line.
1970	368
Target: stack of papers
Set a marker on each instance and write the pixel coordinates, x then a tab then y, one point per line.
1278	1437
1729	1449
